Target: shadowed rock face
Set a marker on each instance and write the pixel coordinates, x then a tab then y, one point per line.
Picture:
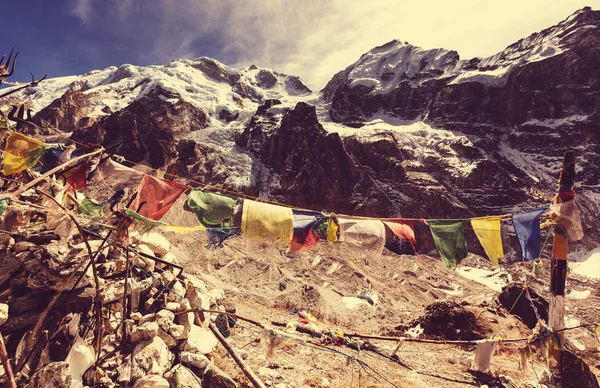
148	129
67	113
321	170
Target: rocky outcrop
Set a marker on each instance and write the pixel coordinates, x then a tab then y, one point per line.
303	156
69	112
148	129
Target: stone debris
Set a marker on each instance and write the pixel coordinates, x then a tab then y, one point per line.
145	331
55	375
180	376
158	326
153	381
157	243
200	341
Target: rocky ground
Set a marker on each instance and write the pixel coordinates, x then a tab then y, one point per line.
289	317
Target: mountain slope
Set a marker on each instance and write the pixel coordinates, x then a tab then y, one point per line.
403	131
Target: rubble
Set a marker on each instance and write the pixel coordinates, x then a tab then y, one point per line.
145	331
55	375
157	243
151	357
200	341
157	326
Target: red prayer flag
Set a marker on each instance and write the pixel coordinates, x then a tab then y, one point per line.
403	229
157	197
76	177
304	242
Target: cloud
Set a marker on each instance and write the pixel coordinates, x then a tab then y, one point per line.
314	38
82	10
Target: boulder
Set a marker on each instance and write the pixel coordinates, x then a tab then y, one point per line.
179	331
182	377
147	318
178	292
194	359
216	295
200	340
169	339
170	257
151	357
216	378
152	381
3	313
114	290
144	331
156	242
55	375
147	264
196	293
172	306
165	318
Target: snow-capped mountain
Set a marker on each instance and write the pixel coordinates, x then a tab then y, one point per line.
403	131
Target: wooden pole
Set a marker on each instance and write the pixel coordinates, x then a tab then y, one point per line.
558	274
6	364
238	360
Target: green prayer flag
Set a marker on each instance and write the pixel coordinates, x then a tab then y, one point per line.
212	210
3	206
3	121
450	241
89	208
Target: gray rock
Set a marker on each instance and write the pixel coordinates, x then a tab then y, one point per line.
144	331
169	339
178	331
200	341
194	359
165	318
182	377
55	375
156	242
151	357
152	381
216	378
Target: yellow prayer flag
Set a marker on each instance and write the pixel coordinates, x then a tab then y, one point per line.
183	229
21	153
263	220
332	229
487	230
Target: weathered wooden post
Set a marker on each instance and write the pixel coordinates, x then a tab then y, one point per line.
558	277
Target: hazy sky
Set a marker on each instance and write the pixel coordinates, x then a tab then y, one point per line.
310	38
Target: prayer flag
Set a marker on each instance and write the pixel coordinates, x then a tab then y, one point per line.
487	230
156	196
450	241
366	234
527	228
212	209
21	153
264	220
569	219
304	237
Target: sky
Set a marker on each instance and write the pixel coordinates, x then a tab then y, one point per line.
313	39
